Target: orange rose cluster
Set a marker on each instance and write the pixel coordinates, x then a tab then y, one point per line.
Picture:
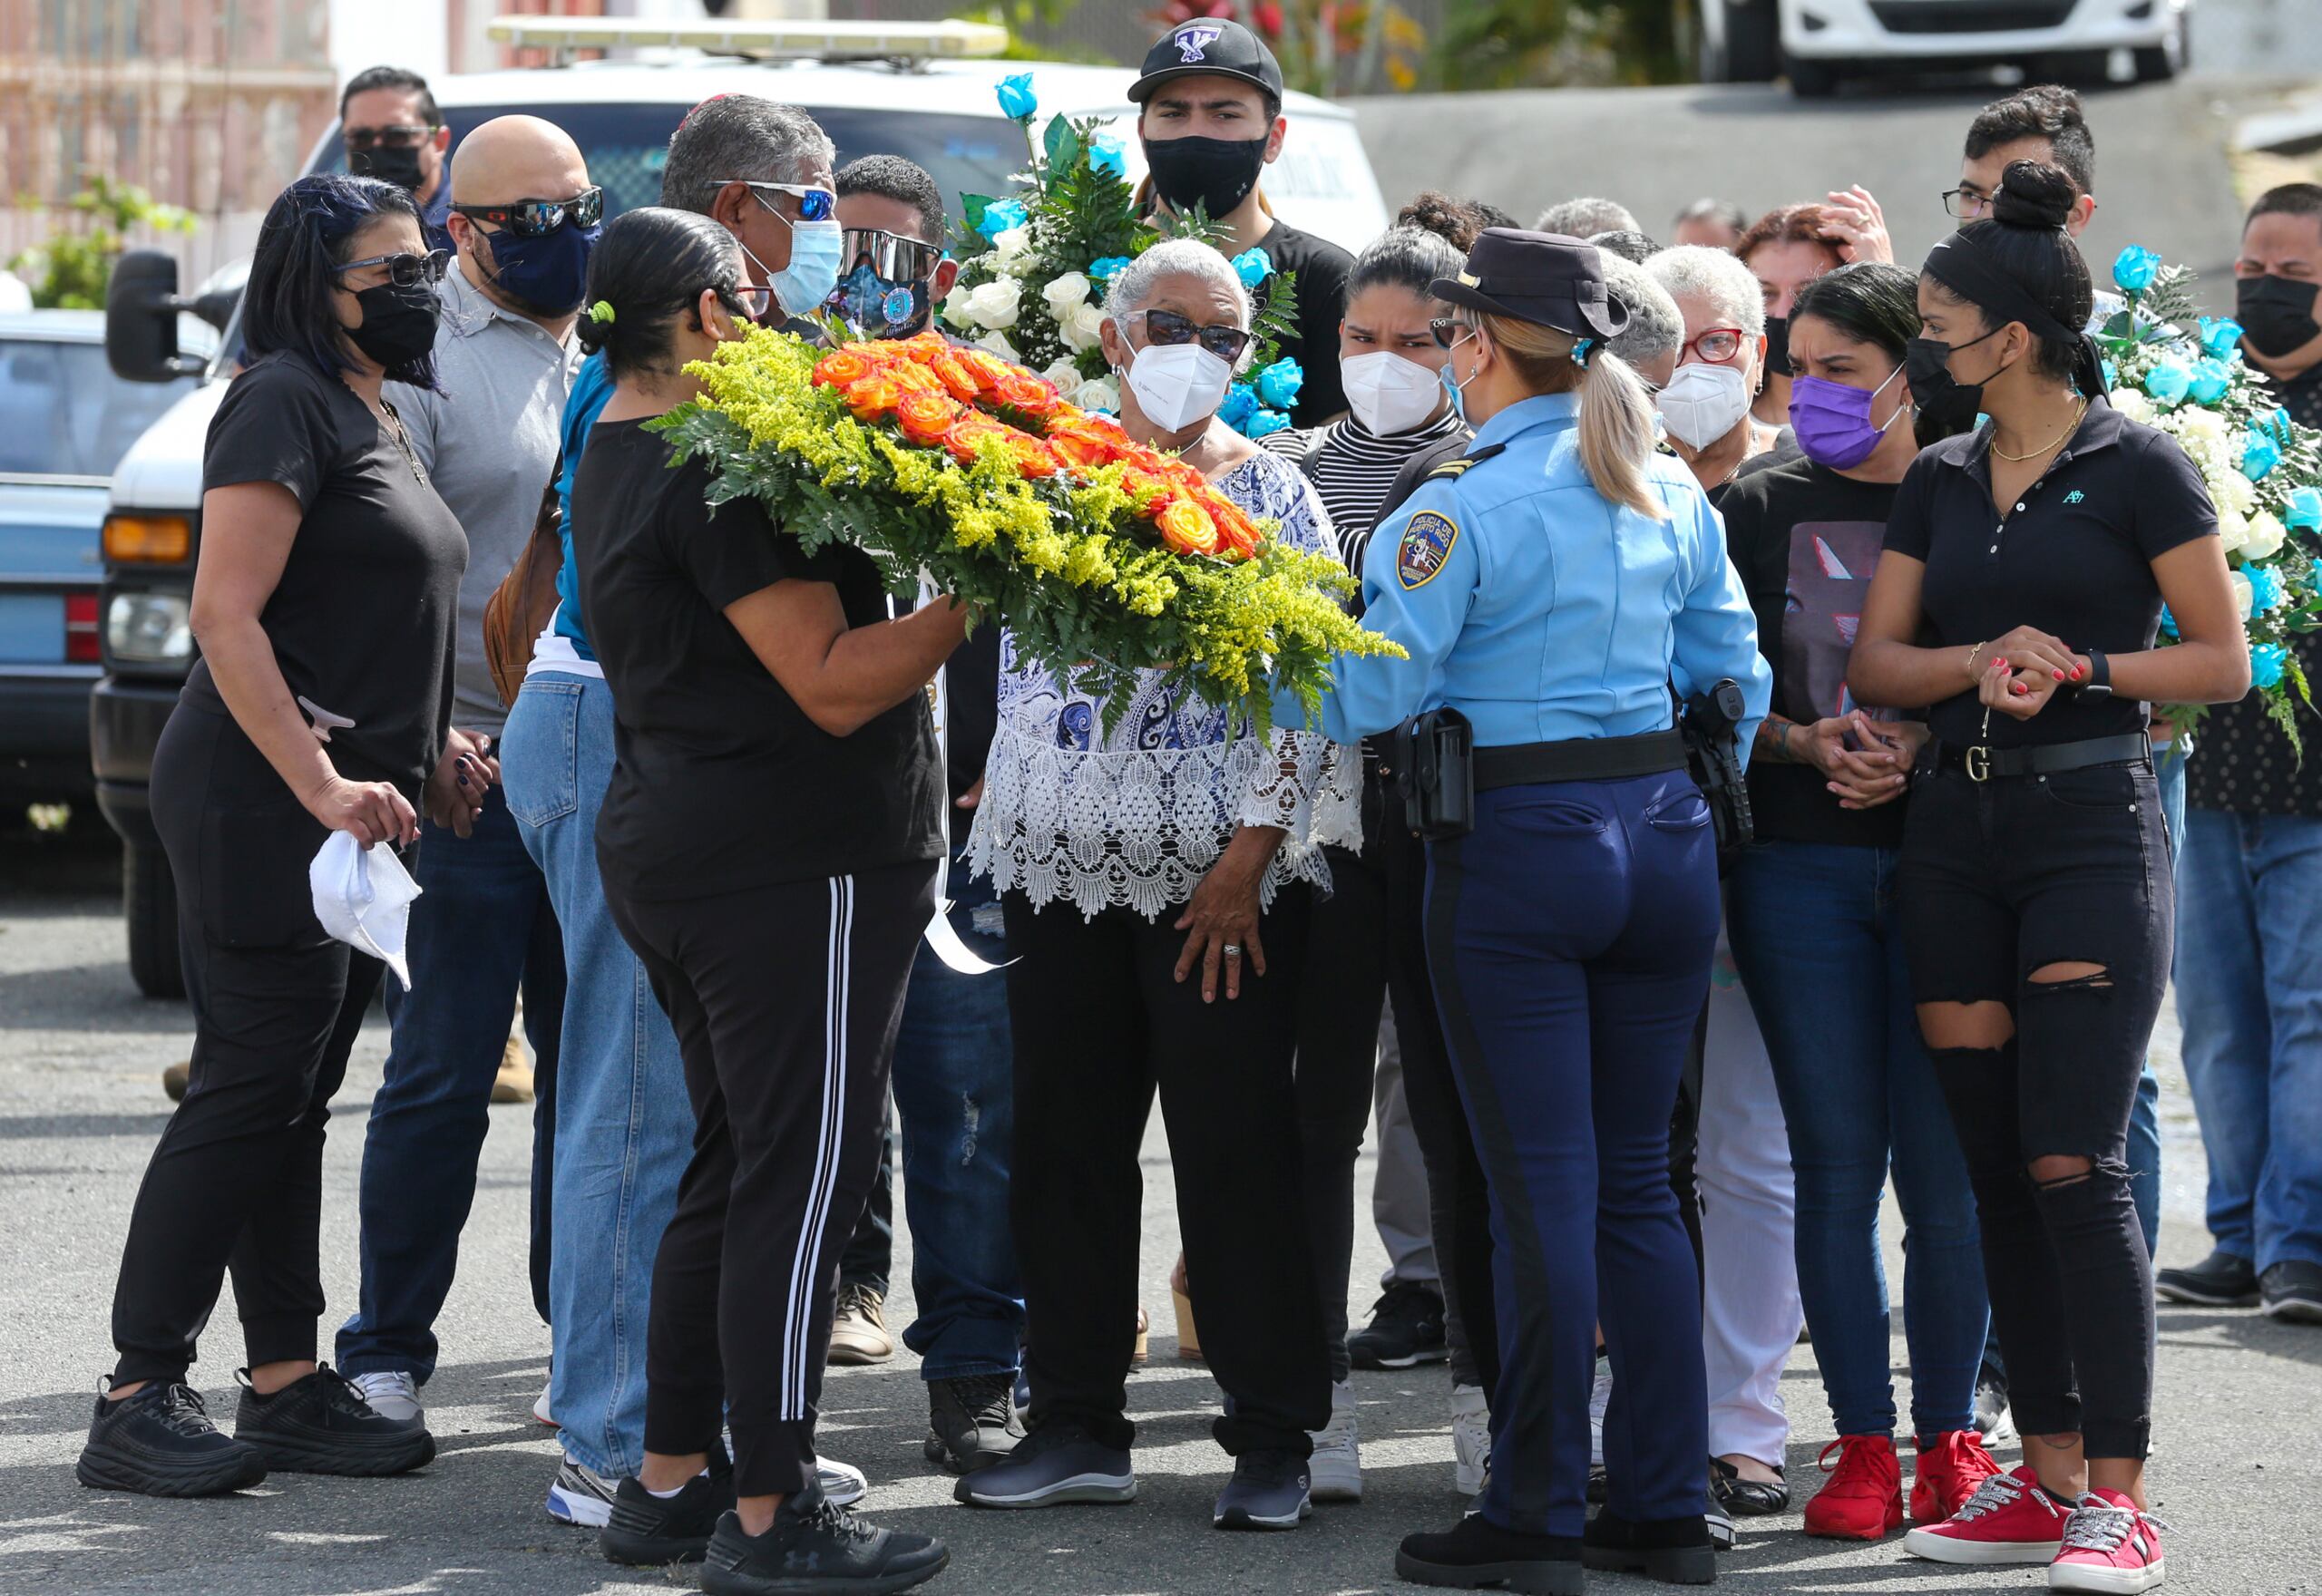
940	395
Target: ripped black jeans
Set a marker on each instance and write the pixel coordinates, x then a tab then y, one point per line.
2000	880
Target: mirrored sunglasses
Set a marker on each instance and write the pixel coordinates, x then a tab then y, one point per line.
536	219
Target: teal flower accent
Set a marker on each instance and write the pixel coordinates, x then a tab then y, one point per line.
2221	336
1002	215
2266	591
1241	403
1265	424
1105	269
2259	453
2134	268
1253	266
2266	663
2168	380
1108	153
2167	623
1017	100
2212	378
1278	384
2304	509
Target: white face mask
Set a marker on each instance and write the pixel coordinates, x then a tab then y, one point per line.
1702	403
1177	385
1390	394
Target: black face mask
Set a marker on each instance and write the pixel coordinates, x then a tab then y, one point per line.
1778	346
2275	313
1946	405
398	329
1215	174
388	164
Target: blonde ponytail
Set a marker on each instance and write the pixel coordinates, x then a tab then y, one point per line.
1615	423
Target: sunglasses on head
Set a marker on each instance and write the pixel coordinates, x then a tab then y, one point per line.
815	204
403	136
1446	330
406	271
536	219
1166	326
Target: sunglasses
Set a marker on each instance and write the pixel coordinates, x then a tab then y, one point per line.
1166	326
813	204
892	258
406	271
1446	330
1717	347
537	219
403	136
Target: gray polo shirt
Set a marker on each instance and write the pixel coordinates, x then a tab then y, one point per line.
488	435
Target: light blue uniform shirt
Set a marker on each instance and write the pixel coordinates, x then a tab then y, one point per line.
1539	610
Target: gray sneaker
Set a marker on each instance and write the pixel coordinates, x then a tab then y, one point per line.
1057	1463
1269	1490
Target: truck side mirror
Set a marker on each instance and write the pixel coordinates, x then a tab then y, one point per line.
141	306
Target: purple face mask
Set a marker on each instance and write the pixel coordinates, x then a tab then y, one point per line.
1833	421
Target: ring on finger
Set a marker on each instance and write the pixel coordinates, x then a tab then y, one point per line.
1233	949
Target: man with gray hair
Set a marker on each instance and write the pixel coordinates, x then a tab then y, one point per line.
1586	217
1713	224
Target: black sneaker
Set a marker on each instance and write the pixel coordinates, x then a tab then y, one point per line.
161	1443
1478	1554
1673	1551
321	1425
1271	1490
1059	1463
814	1546
1406	1328
646	1530
972	1422
2293	1291
2219	1280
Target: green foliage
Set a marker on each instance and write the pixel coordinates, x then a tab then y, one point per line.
1520	44
70	271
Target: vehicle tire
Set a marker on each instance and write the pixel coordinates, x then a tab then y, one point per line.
2076	69
1752	41
1810	80
148	904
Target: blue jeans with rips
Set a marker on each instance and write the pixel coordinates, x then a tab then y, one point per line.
624	1123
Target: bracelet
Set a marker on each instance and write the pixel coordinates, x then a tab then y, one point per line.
1978	649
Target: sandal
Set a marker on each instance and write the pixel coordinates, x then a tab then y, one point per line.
1747	1498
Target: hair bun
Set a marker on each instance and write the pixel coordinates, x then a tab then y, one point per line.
1433	211
2033	194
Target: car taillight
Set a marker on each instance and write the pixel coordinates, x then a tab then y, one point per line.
80	630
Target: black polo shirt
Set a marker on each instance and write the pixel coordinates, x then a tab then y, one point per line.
2073	557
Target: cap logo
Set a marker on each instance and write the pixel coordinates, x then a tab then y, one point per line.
1195	37
1469	280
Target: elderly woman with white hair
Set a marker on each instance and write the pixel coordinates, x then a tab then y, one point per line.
1187	845
1720	364
1656	328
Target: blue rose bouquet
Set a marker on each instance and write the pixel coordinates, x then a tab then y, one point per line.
2263	471
1033	268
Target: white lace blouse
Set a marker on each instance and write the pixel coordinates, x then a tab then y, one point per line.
1135	819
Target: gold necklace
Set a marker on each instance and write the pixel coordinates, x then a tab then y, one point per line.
2044	448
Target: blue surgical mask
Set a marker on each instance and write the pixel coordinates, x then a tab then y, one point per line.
1451	384
547	276
816	251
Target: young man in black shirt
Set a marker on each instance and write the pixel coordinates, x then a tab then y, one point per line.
1211	94
2249	884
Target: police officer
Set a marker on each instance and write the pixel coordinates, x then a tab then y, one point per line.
1551	585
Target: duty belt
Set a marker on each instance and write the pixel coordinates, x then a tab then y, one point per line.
1579	759
1982	763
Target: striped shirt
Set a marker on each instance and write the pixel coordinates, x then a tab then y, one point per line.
1353	467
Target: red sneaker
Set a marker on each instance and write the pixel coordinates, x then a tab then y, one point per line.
2009	1519
2108	1545
1863	1498
1948	1470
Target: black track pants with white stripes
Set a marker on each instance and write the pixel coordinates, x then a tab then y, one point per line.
785	1001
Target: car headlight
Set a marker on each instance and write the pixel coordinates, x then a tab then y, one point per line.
149	629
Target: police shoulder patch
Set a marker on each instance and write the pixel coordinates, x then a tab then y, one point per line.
1428	539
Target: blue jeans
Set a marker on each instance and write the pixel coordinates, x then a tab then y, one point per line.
624	1122
2249	998
954	1089
482	928
1814	932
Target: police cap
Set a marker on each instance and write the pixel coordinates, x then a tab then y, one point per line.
1545	279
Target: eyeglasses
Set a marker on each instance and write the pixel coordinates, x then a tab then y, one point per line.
1966	204
406	271
536	219
1716	346
755	299
400	136
892	258
815	204
1446	330
1166	326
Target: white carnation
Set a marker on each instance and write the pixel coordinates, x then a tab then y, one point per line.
2233	531
995	303
2134	406
997	342
1065	292
2230	490
1098	393
2265	536
2244	597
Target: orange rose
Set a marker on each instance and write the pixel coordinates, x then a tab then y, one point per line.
1063	414
1080	450
840	368
873	396
989	370
1235	531
1028	394
919	348
925	418
973	428
912	378
1186	528
955	375
1148	488
1033	458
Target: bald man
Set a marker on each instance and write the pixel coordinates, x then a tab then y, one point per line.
524	218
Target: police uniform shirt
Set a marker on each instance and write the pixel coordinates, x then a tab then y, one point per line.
1538	608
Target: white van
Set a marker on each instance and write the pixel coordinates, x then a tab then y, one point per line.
942	113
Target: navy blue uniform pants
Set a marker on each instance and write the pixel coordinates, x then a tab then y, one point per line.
1570	936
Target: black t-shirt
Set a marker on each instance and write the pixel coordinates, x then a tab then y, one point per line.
362	621
1322	268
720	781
2074	557
1805	540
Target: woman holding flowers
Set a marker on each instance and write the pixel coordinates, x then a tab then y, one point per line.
2017	600
1185	842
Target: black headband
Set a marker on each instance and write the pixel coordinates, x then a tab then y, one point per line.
1960	265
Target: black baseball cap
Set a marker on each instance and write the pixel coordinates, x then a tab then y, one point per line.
1545	279
1212	46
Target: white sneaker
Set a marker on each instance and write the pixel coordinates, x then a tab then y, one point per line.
842	1483
1334	1473
540	1406
391	1393
581	1497
1471	1436
1600	1396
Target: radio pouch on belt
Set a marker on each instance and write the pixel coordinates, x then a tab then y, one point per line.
1435	761
1710	722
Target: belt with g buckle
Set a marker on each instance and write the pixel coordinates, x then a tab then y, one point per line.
1982	762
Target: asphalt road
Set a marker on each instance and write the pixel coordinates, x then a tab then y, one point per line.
2237	1473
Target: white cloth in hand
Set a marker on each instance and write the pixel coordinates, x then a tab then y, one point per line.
364	899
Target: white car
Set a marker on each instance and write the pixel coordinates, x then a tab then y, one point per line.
1817	43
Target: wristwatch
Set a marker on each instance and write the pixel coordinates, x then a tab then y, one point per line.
2099	684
